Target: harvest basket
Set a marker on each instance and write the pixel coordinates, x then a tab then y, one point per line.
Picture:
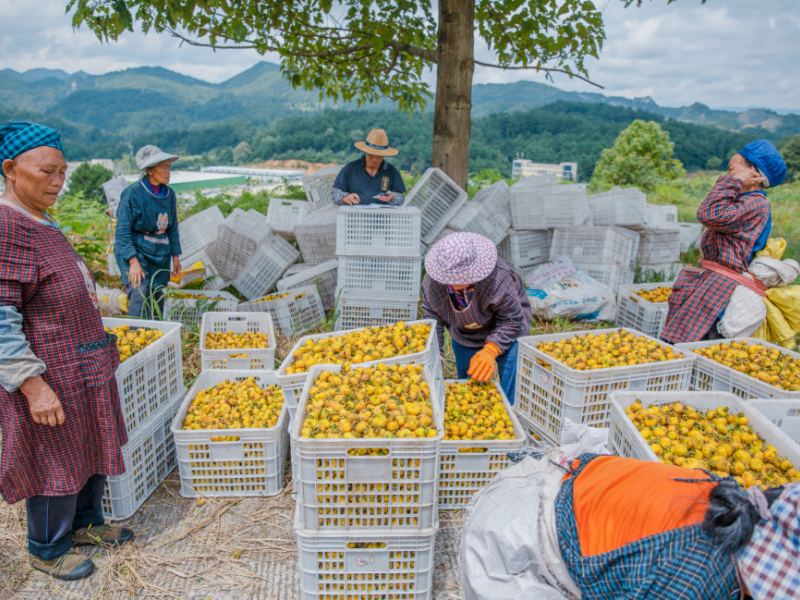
626	208
386	231
657	246
262	359
149	456
525	249
438	198
283	215
496	198
240	234
548	396
611	275
476	218
200	231
270	261
461	473
380	276
536	206
318	186
298	312
358	310
252	466
597	245
189	310
316	236
634	312
149	380
784	414
337	491
324	276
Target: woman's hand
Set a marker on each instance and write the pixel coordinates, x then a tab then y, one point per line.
43	403
136	273
176	266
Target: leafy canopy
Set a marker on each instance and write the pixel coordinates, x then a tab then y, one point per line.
790	150
361	50
641	157
87	179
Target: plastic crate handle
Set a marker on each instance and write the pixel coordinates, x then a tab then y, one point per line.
221	451
477	460
369	469
367	560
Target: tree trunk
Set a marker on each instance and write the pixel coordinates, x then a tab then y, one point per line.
451	117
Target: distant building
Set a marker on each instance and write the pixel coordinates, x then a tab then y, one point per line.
565	171
265	175
186	181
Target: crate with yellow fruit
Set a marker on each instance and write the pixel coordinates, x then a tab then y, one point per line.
643	307
747	367
480	429
188	306
237	340
365	448
571	375
150	373
293	311
230	435
714	431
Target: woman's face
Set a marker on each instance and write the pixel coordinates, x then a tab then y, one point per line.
159	174
739	168
461	287
36	177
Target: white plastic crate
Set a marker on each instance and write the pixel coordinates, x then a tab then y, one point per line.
660	216
365	565
283	215
438	198
316	236
238	322
691	233
525	249
215	280
603	245
292	385
476	218
296	268
711	376
625	440
340	492
784	414
239	237
324	276
611	275
149	380
269	263
318	186
111	264
496	198
657	246
546	206
380	276
189	310
296	313
199	231
634	312
547	396
149	456
442	234
384	231
251	466
626	208
462	474
358	310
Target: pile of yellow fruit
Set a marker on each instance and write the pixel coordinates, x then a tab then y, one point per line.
364	345
606	350
765	364
225	340
184	296
658	295
235	405
132	341
475	411
384	401
272	297
714	440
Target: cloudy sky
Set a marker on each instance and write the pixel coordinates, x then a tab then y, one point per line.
726	53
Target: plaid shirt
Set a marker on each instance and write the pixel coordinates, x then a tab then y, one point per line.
734	222
681	564
499	312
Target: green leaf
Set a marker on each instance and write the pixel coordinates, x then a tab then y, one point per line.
377	43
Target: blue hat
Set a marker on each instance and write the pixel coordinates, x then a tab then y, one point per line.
17	137
765	156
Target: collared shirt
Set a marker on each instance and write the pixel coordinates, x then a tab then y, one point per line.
354	179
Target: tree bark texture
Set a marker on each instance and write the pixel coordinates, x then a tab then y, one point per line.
451	117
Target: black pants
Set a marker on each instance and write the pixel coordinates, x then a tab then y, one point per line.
140	302
52	519
713	333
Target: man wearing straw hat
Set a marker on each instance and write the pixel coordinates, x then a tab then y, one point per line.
370	179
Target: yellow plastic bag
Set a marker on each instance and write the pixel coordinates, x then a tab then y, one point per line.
787	300
774	249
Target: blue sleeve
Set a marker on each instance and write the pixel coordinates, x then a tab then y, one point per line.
123	238
17	361
172	230
342	180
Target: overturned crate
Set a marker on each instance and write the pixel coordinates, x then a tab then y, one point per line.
438	198
622	207
295	311
318	186
476	218
268	264
284	215
597	245
239	237
536	206
525	249
496	198
199	232
324	276
316	236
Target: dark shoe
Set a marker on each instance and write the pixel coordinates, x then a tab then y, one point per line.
67	567
112	535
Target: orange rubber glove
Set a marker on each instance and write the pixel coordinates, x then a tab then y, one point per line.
482	365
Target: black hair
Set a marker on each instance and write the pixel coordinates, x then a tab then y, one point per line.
748	163
731	518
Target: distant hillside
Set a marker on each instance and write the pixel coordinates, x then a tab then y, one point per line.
129	103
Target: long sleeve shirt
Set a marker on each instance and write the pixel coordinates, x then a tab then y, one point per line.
354	179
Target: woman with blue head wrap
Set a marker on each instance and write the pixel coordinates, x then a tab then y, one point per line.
738	223
60	410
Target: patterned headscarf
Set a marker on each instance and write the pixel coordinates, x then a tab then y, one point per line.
17	137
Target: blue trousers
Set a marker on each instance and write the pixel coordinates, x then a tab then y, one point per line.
140	302
506	365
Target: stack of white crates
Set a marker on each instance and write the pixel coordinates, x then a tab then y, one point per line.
380	267
660	241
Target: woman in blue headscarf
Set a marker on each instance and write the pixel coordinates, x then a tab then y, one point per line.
738	223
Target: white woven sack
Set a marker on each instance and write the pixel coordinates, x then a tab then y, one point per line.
774	273
745	312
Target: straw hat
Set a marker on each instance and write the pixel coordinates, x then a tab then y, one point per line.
461	259
377	143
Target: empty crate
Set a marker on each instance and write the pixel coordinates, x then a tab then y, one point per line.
438	198
611	275
295	313
525	249
603	245
318	186
316	236
535	206
658	246
476	218
397	278
625	208
496	198
283	215
690	235
385	231
239	237
269	262
324	276
199	231
359	310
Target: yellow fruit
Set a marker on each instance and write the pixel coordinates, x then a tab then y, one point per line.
235	405
229	340
658	295
478	408
130	343
755	360
177	294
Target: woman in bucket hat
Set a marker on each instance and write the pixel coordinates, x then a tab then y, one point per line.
147	244
481	301
370	179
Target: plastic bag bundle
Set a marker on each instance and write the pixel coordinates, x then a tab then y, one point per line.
774	273
577	297
745	312
774	249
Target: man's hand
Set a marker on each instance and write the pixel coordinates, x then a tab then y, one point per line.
387	197
44	405
351	199
176	266
136	273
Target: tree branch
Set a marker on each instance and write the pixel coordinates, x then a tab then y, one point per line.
429	55
537	69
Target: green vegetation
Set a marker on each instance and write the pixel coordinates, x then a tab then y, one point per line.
87	179
790	149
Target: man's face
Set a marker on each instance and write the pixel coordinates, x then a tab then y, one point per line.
37	176
372	161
